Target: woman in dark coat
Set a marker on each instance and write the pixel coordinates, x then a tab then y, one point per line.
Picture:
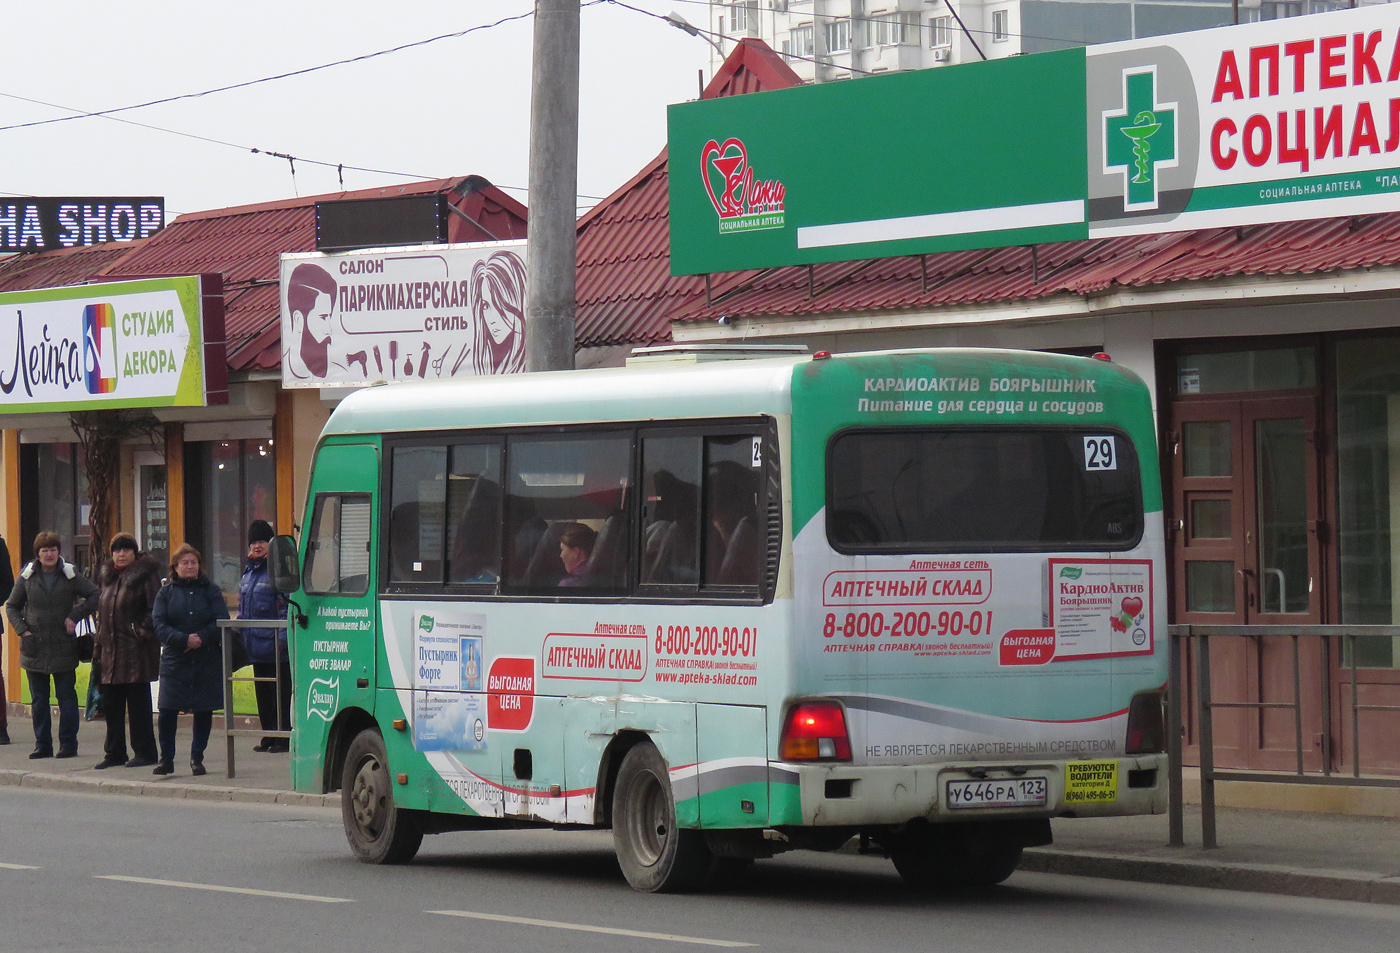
45	605
127	649
187	613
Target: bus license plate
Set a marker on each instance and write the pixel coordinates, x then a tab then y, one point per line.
1003	792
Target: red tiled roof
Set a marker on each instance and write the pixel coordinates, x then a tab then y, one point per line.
63	266
1065	268
626	292
244	244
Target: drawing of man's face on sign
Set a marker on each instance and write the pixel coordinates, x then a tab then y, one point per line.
311	295
498	310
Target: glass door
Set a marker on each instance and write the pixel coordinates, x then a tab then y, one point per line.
152	506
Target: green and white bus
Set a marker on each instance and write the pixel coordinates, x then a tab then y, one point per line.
732	608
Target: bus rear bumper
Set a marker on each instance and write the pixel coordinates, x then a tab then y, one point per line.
840	795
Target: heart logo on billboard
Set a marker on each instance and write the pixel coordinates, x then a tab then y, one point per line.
731	161
1132	605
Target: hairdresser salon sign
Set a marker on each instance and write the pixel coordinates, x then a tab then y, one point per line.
427	313
124	344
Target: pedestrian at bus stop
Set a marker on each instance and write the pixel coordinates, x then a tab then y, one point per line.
267	648
128	650
7	580
44	607
187	614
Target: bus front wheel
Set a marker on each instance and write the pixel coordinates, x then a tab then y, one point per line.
950	856
378	830
656	856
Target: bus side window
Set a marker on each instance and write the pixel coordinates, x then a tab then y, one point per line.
735	528
474	514
670	541
567	511
337	553
418	498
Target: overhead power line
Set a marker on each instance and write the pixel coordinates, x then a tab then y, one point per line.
287	75
270	153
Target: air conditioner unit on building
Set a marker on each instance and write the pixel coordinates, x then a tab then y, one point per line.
942	54
780	6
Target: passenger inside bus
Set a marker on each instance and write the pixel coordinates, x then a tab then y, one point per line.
576	544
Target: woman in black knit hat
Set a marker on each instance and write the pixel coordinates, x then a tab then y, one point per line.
267	648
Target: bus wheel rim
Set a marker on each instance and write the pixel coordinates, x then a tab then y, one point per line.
366	797
651	825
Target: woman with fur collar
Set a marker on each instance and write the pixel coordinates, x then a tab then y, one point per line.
129	651
48	600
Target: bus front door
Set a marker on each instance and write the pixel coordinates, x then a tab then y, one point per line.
336	656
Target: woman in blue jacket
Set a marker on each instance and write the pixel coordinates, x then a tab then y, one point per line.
267	648
186	614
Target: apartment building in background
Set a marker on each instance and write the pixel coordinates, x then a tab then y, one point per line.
825	40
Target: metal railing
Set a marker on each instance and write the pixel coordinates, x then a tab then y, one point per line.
1206	704
230	732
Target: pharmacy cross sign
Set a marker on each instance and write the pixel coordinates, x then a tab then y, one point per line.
1140	139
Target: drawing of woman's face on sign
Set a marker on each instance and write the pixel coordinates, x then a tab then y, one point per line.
498	310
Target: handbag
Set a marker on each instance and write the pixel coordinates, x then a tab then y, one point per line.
83	643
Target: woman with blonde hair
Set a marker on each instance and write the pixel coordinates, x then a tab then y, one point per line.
187	614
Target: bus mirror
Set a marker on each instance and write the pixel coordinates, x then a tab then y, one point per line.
282	561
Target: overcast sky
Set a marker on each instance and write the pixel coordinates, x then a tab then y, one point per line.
452	107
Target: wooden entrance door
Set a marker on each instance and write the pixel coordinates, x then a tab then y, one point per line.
1246	551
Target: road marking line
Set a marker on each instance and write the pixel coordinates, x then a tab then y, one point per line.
18	867
214	887
585	928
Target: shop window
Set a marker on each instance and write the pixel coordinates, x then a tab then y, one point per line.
1230	372
54	498
1368	492
237	483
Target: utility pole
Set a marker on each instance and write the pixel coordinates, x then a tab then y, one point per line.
552	256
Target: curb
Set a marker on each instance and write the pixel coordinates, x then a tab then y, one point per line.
1256	878
165	789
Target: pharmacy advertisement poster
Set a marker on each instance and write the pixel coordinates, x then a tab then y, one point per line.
1101	608
449	721
447	649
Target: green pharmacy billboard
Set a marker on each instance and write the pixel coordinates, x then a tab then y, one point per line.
1266	122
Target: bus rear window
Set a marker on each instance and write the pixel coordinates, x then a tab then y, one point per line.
931	490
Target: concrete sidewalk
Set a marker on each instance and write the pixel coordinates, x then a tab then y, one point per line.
261	777
1328	855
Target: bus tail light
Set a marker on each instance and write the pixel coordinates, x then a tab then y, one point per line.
1147	726
816	731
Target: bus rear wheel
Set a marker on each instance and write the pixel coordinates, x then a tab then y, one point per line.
379	831
656	856
953	856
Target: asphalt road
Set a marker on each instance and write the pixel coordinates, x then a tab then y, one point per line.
101	872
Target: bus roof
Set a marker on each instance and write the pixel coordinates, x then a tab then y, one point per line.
661	391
